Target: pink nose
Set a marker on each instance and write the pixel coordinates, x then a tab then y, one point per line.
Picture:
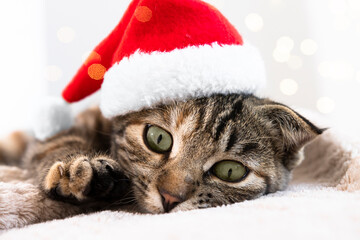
169	201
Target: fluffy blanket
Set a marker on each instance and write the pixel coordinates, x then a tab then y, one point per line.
323	201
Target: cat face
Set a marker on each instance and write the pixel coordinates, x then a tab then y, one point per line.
207	152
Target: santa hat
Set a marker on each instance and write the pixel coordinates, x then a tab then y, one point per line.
166	50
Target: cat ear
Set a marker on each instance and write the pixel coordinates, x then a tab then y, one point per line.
292	129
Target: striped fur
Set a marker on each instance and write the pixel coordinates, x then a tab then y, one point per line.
100	160
263	135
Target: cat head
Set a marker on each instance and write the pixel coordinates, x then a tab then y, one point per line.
210	151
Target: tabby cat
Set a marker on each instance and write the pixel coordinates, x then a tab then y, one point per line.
199	153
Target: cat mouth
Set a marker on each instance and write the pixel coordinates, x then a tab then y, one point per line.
160	202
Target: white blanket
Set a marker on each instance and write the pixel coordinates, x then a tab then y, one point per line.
323	201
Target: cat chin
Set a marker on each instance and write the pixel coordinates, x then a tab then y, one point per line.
185	206
152	210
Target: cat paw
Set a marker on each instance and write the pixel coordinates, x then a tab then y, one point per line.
82	178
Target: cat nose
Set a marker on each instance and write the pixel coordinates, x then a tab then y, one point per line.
169	201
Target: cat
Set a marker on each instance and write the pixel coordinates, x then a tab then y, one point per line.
199	153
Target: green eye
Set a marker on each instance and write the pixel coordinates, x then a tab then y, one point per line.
229	171
157	139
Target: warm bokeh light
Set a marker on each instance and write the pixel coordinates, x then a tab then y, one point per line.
308	47
93	56
66	34
85	56
284	46
143	14
96	71
281	56
254	22
288	86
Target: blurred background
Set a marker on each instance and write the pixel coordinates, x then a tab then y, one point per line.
311	51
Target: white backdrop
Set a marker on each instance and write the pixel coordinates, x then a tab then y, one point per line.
310	50
22	57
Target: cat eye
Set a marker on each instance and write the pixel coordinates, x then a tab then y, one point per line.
229	171
157	139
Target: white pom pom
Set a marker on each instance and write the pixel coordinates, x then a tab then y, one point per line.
52	116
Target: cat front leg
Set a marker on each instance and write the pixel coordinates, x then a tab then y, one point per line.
23	203
84	179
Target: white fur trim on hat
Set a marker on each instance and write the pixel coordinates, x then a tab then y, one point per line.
143	80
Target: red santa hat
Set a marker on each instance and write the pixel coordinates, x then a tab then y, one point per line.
167	50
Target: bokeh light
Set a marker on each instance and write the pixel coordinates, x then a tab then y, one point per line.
254	22
281	56
66	34
85	56
96	71
284	46
325	105
143	14
308	47
288	86
92	57
53	73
